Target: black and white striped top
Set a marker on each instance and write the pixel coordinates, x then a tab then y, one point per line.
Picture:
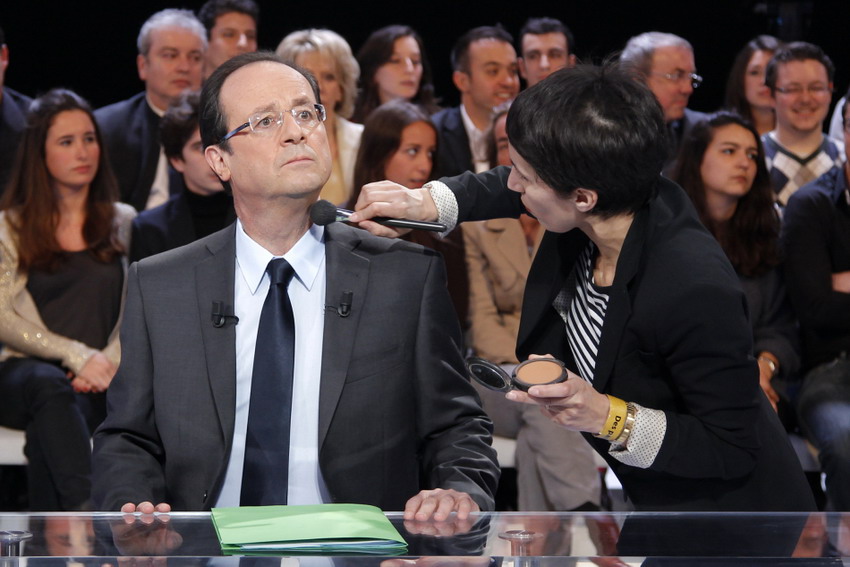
585	315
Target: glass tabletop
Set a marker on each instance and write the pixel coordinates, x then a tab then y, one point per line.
499	538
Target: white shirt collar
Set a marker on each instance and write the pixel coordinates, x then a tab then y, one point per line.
477	138
306	257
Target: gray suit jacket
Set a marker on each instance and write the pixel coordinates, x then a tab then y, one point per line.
396	413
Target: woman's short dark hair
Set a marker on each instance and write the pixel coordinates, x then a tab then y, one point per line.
31	199
592	127
736	96
377	50
381	139
750	238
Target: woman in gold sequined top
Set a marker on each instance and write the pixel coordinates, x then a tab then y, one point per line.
63	240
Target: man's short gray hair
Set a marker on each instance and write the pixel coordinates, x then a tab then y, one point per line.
637	55
169	18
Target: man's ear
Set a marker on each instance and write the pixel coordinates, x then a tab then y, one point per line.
217	160
142	67
461	81
178	164
585	199
522	70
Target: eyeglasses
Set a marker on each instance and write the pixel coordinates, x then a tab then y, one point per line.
679	76
795	90
267	123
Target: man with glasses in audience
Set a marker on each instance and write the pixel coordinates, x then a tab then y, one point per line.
666	62
797	151
816	241
282	362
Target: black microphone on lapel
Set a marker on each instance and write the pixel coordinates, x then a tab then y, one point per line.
344	307
219	318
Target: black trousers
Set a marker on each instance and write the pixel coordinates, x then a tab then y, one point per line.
36	397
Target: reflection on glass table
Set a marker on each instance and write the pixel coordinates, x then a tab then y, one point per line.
509	539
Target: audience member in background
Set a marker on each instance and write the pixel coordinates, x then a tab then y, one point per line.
171	48
666	62
816	239
485	72
13	110
721	167
556	469
62	244
545	45
393	64
328	57
399	142
231	29
799	76
746	92
199	206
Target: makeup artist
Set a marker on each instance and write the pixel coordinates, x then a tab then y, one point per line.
631	292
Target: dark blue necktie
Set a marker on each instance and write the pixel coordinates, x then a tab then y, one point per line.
266	471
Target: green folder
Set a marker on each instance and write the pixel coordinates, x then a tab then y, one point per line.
324	528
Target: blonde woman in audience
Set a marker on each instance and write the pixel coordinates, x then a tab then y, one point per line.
746	92
556	469
393	66
63	240
328	57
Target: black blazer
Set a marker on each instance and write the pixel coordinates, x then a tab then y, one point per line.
13	119
453	155
676	338
130	130
396	411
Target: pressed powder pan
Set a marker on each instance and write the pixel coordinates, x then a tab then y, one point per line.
527	374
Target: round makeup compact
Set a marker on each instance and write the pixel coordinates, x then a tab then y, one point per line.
530	373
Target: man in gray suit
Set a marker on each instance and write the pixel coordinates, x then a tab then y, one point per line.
381	411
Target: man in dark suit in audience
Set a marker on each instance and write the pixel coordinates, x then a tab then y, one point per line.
381	410
485	73
231	29
171	47
198	205
13	111
666	62
816	239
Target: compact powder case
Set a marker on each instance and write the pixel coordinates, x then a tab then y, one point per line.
526	374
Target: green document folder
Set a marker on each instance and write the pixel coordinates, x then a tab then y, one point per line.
323	528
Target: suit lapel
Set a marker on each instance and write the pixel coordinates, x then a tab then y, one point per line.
346	272
511	241
214	281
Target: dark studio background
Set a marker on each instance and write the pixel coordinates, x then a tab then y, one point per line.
89	46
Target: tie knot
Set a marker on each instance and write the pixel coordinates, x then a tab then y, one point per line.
279	270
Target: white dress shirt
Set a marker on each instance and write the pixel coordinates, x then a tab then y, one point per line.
307	295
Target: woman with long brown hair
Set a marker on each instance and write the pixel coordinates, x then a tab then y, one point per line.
63	240
721	167
393	65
